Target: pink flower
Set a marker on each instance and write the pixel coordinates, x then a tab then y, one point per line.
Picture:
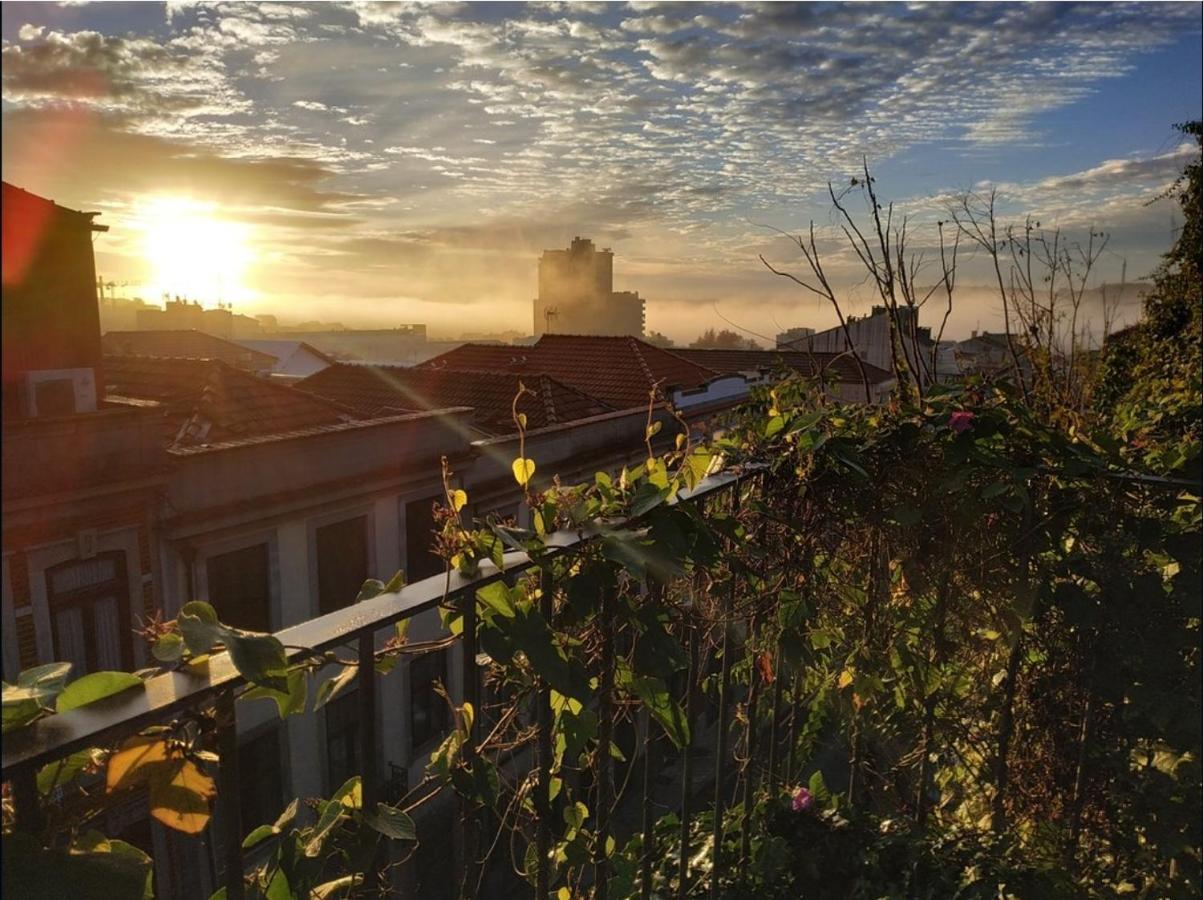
960	421
801	800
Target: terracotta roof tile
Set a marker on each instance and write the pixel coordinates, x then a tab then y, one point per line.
809	363
618	370
377	390
185	344
208	401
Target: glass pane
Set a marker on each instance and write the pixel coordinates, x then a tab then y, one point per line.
69	643
342	562
106	623
420	559
240	587
82	574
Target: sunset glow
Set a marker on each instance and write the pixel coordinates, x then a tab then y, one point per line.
192	252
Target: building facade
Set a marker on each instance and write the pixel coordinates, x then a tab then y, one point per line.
577	296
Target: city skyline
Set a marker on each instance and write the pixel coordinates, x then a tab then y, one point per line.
376	163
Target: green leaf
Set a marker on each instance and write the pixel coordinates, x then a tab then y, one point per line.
93	687
659	702
65	770
168	648
199	626
373	587
259	658
647	497
289	702
392	823
278	888
21	706
332	687
49	677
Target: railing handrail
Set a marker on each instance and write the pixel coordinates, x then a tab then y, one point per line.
56	736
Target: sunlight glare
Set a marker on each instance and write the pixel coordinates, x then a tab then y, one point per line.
194	253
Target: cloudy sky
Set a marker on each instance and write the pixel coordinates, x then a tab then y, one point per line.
383	163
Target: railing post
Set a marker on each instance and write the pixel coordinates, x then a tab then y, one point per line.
687	764
774	738
543	725
368	763
25	801
649	821
605	727
745	838
370	775
720	750
468	678
227	795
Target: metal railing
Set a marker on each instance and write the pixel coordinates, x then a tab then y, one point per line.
191	688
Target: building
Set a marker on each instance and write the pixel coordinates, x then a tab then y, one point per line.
623	372
577	296
838	372
989	353
383	390
82	470
405	345
187	344
787	337
294	359
870	337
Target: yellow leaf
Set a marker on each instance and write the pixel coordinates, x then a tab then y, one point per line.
458	499
135	761
524	470
563	894
180	795
845	678
522	420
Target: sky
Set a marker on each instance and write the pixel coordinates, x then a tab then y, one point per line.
377	164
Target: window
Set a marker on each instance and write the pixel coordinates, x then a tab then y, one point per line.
261	780
342	562
240	587
89	613
342	740
427	710
420	558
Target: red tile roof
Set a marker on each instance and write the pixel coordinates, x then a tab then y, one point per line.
840	366
380	390
618	370
185	344
208	401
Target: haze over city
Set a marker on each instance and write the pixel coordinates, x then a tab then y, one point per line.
381	163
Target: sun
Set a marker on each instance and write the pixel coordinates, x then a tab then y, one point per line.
193	252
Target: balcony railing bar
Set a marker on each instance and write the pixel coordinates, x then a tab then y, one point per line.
164	695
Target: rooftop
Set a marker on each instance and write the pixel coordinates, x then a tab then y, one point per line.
620	371
208	401
185	343
381	390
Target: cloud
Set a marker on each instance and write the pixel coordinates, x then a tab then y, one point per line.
130	74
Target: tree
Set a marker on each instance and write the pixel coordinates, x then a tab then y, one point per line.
723	340
656	339
1150	386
